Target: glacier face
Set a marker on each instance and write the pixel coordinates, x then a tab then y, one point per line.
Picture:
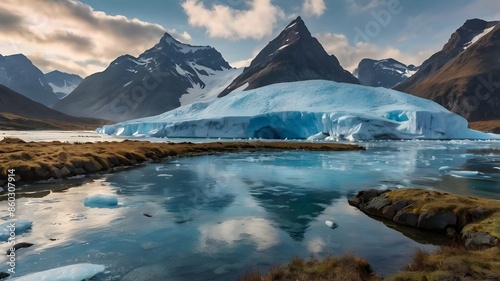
315	109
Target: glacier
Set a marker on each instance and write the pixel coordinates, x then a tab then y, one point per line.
314	110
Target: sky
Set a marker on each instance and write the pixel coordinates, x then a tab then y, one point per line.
85	36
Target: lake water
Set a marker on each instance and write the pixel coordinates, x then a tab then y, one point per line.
214	217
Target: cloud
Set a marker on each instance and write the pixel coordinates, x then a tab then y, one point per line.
58	33
349	55
314	7
222	21
360	6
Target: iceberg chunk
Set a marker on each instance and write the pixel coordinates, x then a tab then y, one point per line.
76	272
100	201
307	109
21	226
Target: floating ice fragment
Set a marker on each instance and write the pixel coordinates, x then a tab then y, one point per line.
444	170
21	226
100	201
76	272
464	174
331	224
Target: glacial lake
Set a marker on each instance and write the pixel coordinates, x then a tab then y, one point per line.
215	217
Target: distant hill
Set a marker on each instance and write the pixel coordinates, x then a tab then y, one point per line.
292	56
464	76
20	113
385	73
18	73
62	83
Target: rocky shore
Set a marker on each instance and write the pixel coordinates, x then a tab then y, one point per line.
472	220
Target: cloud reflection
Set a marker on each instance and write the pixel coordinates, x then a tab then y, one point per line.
233	232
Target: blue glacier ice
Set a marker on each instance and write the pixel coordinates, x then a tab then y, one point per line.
21	226
314	110
100	201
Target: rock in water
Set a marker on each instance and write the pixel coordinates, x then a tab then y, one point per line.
331	224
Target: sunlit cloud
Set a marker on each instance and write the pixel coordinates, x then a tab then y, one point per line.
221	21
72	36
314	7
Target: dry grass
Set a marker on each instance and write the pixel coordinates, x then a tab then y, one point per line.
346	268
491	126
467	209
43	160
9	121
452	263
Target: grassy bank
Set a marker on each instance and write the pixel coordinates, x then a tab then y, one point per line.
44	160
461	260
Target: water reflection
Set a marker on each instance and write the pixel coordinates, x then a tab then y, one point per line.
292	208
224	236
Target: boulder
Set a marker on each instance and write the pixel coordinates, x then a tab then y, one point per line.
439	222
375	205
478	240
367	195
92	166
406	218
354	201
388	212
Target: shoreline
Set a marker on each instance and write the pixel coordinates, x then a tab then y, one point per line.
39	161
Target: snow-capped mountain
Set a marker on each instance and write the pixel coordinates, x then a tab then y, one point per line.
385	73
62	83
329	110
18	73
293	56
464	75
162	78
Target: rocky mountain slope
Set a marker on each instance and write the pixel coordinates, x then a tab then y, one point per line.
18	73
150	84
385	73
293	56
17	112
465	75
62	83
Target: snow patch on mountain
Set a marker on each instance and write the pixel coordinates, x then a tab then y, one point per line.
478	37
214	83
309	109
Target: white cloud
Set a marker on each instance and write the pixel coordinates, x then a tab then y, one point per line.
71	36
222	21
349	55
359	6
314	7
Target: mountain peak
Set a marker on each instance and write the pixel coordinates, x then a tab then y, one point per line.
169	40
295	55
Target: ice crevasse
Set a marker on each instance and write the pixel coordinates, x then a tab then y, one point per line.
314	110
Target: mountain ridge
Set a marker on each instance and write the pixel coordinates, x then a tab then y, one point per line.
18	73
152	83
463	76
294	55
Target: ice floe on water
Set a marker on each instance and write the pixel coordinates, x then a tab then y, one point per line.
76	272
100	201
15	226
